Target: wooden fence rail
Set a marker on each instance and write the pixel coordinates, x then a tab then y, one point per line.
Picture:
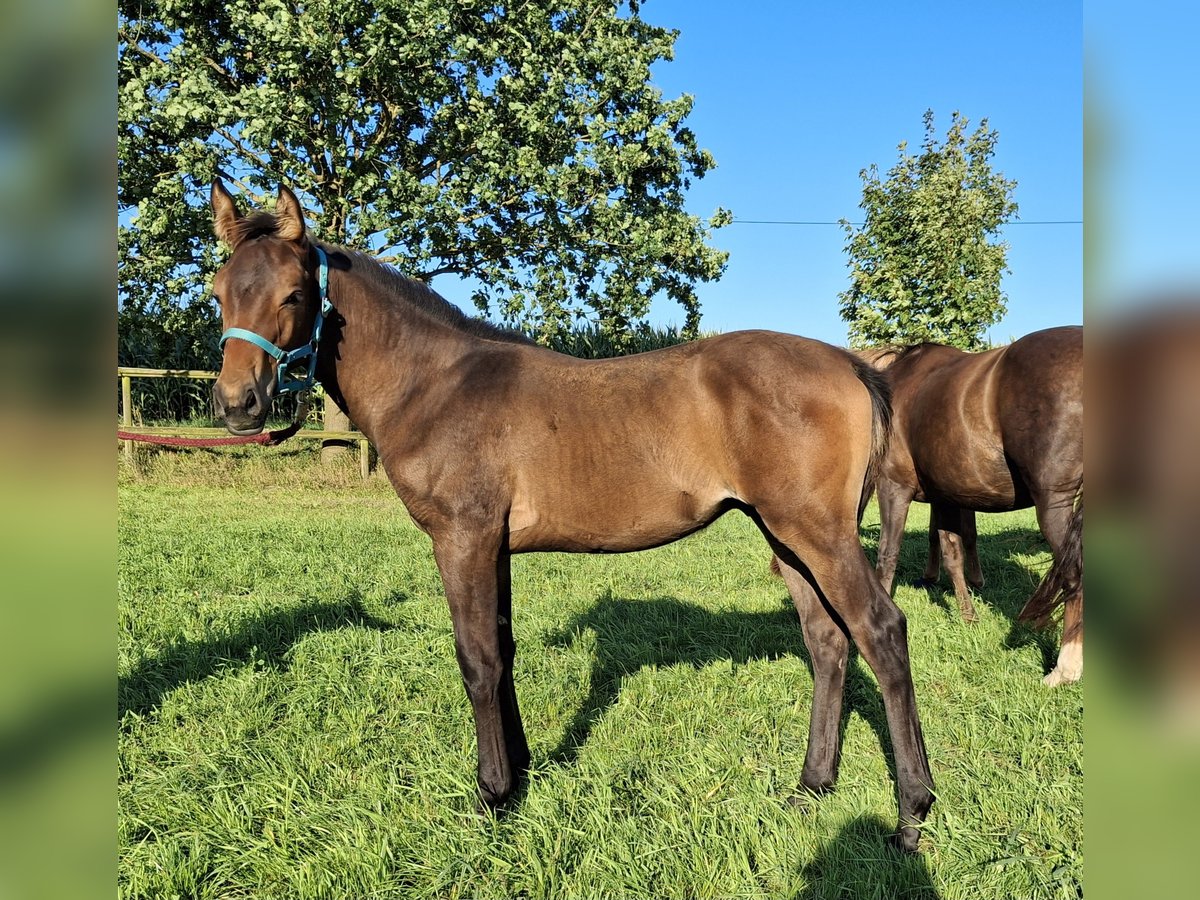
128	373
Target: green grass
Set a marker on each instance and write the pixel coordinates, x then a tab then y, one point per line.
292	723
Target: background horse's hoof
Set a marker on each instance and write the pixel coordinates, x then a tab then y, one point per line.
1058	676
925	583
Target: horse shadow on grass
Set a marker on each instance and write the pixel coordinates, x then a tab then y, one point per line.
664	631
1008	581
263	639
857	863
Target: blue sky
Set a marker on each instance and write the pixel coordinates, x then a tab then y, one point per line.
794	99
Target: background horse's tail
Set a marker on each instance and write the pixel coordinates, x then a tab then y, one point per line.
1065	578
880	390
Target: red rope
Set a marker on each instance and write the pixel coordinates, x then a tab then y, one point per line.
268	438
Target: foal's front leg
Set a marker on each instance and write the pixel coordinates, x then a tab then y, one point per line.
469	563
514	731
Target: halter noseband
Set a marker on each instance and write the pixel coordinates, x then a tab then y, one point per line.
283	382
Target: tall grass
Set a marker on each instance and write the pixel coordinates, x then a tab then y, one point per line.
292	722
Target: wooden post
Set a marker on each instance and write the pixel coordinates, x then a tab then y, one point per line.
364	459
335	420
127	411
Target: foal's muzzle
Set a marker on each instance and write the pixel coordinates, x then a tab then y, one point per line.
243	409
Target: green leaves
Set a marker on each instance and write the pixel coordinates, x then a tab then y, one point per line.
926	265
523	147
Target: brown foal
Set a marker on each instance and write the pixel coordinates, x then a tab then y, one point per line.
497	446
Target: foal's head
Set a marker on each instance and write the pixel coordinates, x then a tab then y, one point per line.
268	288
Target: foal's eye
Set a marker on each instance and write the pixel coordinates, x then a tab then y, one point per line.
293	299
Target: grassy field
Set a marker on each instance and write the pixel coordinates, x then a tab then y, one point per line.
292	723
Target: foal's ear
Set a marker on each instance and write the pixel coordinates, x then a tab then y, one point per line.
225	214
289	216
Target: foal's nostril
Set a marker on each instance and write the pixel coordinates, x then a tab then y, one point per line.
251	401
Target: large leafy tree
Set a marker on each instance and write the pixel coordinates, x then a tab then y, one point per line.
520	145
925	264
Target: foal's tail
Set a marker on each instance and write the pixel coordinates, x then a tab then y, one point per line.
1065	578
880	390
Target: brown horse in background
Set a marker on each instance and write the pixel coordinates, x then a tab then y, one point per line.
497	446
990	432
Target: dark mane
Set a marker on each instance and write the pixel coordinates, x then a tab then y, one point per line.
394	284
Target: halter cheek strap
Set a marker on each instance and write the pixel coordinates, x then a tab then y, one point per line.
285	358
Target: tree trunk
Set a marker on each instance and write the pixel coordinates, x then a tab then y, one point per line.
335	420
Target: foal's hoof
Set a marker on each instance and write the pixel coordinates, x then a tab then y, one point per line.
905	839
486	809
807	795
490	805
496	812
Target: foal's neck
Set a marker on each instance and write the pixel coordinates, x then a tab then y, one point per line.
385	347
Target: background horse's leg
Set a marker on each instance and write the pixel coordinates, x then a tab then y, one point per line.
510	712
933	563
829	648
948	519
469	567
893	511
1069	667
879	629
1055	513
971	549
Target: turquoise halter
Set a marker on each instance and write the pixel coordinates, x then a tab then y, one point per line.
283	382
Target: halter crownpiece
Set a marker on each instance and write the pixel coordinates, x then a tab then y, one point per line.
283	382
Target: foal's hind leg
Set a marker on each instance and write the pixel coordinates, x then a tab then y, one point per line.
843	574
828	648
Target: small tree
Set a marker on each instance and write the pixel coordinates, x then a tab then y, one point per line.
925	264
